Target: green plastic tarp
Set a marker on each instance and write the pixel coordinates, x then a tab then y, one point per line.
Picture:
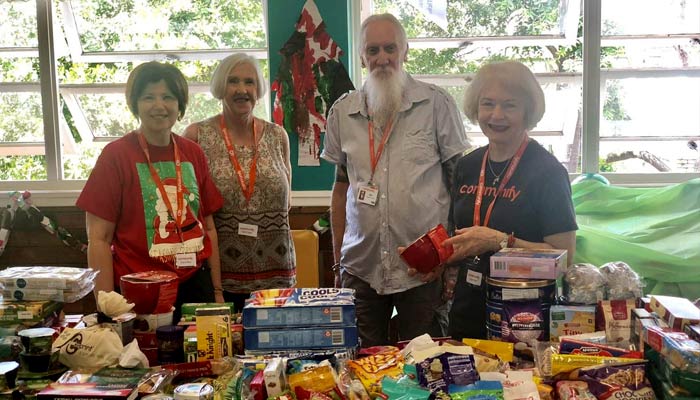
656	231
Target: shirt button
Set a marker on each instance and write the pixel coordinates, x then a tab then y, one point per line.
385	169
383	223
383	196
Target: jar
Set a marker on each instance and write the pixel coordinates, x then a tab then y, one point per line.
170	344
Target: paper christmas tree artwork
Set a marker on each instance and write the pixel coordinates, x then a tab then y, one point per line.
310	78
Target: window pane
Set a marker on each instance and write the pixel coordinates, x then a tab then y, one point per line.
123	25
467	18
642	55
21	124
651	127
18	27
637	17
19	69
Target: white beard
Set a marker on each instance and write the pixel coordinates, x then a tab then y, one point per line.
384	92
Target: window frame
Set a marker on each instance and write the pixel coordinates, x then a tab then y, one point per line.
64	192
594	77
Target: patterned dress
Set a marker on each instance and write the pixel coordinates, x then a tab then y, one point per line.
268	260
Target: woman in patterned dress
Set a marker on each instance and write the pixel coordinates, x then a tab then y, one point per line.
249	161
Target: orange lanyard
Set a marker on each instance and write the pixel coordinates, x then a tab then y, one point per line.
482	183
374	158
250	187
177	215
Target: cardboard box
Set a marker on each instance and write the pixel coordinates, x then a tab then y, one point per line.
570	320
213	333
299	315
275	381
677	311
528	264
300	338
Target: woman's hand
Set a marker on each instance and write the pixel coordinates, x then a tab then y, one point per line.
218	296
429	277
472	241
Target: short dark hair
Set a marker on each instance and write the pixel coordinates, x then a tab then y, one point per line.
154	72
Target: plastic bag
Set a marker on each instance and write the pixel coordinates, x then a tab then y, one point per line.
93	347
654	230
584	284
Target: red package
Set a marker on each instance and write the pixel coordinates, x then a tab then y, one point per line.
426	253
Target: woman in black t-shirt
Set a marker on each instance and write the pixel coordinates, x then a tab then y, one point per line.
510	193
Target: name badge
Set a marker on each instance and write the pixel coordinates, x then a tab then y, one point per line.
367	194
248	230
474	278
186	260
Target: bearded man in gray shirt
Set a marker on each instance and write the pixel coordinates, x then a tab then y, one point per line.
394	143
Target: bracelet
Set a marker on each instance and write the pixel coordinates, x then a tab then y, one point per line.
511	240
219	290
335	268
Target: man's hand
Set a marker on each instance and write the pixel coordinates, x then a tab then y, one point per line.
429	277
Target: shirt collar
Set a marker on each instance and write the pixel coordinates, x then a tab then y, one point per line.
415	93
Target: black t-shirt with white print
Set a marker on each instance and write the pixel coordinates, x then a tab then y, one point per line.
536	202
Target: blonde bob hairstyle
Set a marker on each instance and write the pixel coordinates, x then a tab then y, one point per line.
219	80
514	76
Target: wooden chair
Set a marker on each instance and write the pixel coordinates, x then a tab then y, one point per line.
306	247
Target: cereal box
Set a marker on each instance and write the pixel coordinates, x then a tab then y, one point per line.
300	307
300	338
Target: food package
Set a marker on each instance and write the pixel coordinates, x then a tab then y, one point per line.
570	320
621	281
38	277
61	284
677	311
615	317
584	284
371	369
528	264
300	307
92	347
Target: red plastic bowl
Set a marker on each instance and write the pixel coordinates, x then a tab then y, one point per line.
152	292
426	253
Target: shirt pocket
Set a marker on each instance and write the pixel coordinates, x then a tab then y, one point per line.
419	147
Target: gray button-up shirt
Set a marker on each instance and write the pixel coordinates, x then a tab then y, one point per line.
412	193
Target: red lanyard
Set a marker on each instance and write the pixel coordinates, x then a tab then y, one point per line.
250	187
177	215
482	179
374	158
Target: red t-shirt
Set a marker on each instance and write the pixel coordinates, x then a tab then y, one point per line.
121	190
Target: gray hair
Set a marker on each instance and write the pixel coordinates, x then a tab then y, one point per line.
402	39
219	80
513	75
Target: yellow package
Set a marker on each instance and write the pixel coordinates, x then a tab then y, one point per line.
568	362
502	350
371	369
319	379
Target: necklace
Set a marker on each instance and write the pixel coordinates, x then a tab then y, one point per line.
497	177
